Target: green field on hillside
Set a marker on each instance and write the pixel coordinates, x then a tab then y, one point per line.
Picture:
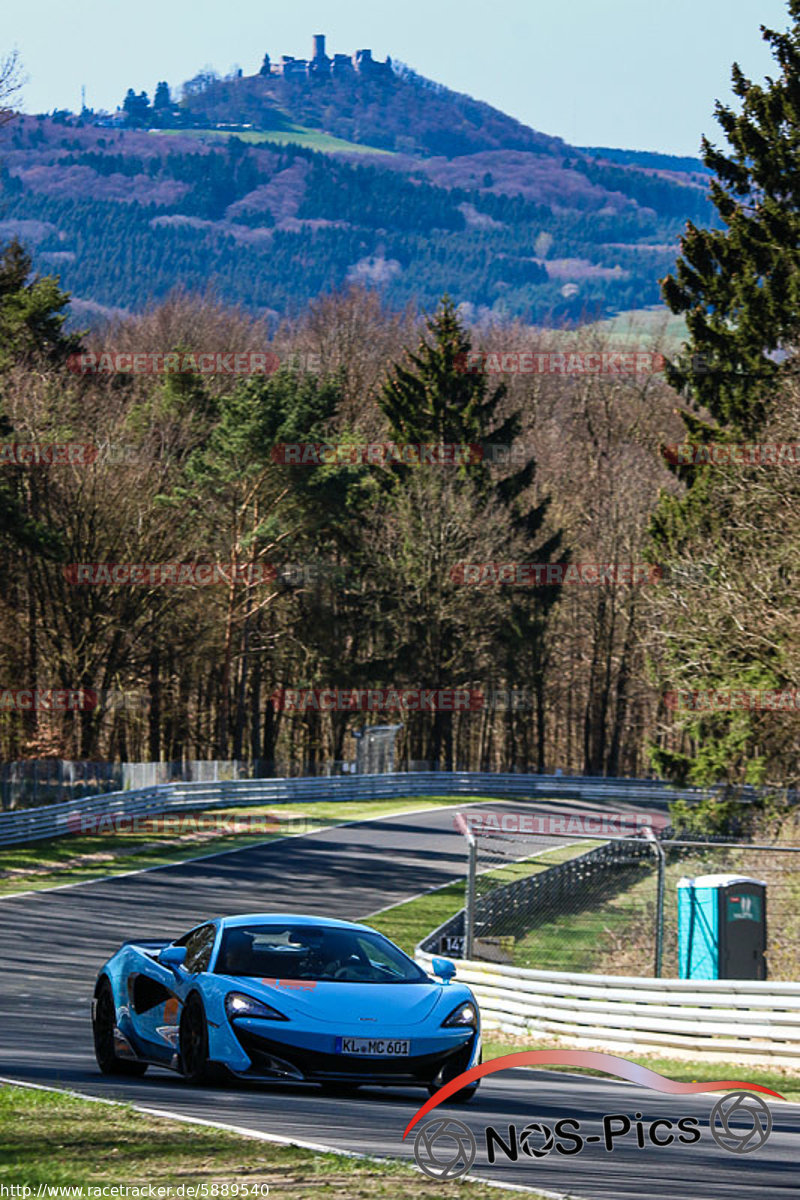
299	135
643	324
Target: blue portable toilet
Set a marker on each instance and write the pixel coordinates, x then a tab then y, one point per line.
722	927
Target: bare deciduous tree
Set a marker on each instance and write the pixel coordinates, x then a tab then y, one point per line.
11	81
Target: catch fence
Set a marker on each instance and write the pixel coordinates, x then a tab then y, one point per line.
557	902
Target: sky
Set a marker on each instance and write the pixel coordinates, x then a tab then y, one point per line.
638	74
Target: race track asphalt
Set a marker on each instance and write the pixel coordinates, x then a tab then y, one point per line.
52	943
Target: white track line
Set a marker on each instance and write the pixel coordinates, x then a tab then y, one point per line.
276	1138
460	878
59	887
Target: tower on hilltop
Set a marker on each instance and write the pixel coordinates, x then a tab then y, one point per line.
322	65
319	64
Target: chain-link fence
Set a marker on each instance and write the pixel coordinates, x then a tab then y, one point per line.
375	749
554	902
31	783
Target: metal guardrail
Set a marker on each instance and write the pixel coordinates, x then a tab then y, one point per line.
75	816
27	783
724	1015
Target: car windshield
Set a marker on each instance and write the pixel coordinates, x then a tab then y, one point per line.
314	952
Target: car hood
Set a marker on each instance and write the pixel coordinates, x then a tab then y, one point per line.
335	1002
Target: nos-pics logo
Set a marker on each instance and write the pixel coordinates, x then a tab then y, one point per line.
444	1148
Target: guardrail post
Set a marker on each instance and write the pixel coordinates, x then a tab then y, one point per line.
662	862
469	907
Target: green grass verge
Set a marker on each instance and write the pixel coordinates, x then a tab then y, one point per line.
586	940
75	858
408	923
541	861
299	135
612	928
785	1080
52	1139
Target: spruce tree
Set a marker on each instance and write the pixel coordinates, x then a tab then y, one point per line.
32	315
438	400
738	284
32	319
162	99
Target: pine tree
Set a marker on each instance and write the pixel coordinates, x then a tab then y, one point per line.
31	334
161	100
31	312
438	400
137	108
738	284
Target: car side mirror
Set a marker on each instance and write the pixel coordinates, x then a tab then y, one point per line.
444	968
172	957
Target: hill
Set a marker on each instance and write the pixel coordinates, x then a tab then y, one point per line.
293	181
392	109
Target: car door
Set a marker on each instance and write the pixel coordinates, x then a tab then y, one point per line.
156	993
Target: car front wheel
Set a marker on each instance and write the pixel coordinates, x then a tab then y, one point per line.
462	1097
193	1041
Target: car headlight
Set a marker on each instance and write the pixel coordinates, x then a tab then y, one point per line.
238	1004
465	1015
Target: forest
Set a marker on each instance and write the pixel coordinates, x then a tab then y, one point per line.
122	216
586	574
348	572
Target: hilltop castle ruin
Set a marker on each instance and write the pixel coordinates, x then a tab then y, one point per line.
321	65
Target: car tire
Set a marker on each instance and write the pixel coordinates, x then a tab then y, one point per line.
193	1042
462	1097
104	1019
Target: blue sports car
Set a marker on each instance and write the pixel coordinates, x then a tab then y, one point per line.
284	998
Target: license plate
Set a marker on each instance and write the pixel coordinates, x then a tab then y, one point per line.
373	1047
